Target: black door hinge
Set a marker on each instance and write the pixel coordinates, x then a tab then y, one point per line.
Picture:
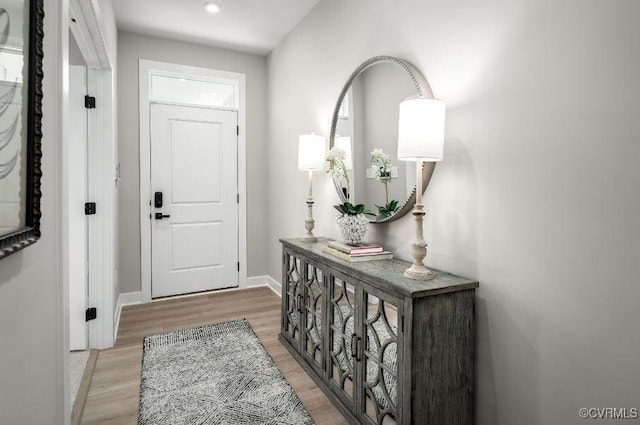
89	102
238	265
91	313
89	208
237	130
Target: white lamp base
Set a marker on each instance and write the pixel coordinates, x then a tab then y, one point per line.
417	272
308	223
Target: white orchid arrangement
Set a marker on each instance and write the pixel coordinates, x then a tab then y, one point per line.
381	170
337	168
380	164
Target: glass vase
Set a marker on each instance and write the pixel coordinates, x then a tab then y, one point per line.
353	228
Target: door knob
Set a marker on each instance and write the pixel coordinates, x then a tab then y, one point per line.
160	216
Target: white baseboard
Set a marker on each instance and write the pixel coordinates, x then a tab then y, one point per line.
129	298
268	281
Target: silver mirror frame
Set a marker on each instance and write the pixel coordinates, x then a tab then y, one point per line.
424	90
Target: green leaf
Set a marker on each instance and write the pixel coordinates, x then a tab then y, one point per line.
339	208
350	209
387	210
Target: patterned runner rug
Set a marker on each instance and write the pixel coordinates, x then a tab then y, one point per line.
215	374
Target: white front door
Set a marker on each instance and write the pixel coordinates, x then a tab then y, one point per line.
194	233
77	221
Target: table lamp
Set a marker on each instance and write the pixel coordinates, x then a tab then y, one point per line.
420	139
311	154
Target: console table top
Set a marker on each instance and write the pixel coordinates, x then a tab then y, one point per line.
387	275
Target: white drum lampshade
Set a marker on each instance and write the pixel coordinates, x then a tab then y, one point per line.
311	152
421	130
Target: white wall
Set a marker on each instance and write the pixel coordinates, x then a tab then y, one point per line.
32	296
537	197
133	47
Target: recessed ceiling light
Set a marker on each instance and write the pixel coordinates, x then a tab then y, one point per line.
212	7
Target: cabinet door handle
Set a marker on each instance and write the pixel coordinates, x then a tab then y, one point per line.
354	339
358	349
300	304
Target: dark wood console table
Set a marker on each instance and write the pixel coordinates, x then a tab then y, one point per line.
385	349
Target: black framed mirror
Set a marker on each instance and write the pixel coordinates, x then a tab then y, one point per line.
21	53
365	120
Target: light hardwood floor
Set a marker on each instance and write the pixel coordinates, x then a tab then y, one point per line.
115	388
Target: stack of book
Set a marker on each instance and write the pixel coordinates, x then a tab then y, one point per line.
355	253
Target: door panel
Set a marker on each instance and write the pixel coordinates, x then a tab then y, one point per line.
186	240
380	376
342	336
292	293
194	180
77	195
194	165
314	306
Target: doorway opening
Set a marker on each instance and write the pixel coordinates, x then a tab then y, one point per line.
96	267
78	235
88	165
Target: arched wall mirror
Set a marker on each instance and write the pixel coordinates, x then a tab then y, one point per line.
365	120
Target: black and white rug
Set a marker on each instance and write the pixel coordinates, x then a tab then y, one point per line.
215	374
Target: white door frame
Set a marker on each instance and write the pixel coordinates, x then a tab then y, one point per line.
146	68
89	34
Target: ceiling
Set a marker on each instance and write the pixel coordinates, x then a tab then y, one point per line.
252	26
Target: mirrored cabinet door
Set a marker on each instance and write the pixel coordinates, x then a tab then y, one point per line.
314	306
342	337
292	297
380	359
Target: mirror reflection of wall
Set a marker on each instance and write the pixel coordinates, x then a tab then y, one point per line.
375	96
359	136
344	139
